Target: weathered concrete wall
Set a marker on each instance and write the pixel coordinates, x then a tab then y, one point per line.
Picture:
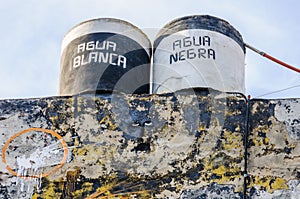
180	145
274	149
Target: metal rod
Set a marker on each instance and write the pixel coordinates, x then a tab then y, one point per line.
246	137
272	58
254	49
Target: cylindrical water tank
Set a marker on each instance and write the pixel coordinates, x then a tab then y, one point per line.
105	55
198	51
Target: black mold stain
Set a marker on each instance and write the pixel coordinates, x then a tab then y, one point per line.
142	146
260	116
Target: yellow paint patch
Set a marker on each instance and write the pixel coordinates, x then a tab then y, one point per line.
270	183
50	192
107	121
233	140
279	184
220	170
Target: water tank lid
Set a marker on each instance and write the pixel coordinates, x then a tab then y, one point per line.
206	22
110	25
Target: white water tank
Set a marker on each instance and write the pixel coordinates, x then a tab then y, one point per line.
198	51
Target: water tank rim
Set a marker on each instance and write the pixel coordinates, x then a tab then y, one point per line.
176	25
146	43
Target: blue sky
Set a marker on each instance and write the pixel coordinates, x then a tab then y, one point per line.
32	31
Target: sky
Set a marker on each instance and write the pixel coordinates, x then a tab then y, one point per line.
32	31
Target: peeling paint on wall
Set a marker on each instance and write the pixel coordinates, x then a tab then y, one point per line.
287	111
274	169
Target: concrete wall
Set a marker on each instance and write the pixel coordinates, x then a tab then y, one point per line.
179	145
274	149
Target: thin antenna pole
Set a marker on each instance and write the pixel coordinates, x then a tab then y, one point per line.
272	58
